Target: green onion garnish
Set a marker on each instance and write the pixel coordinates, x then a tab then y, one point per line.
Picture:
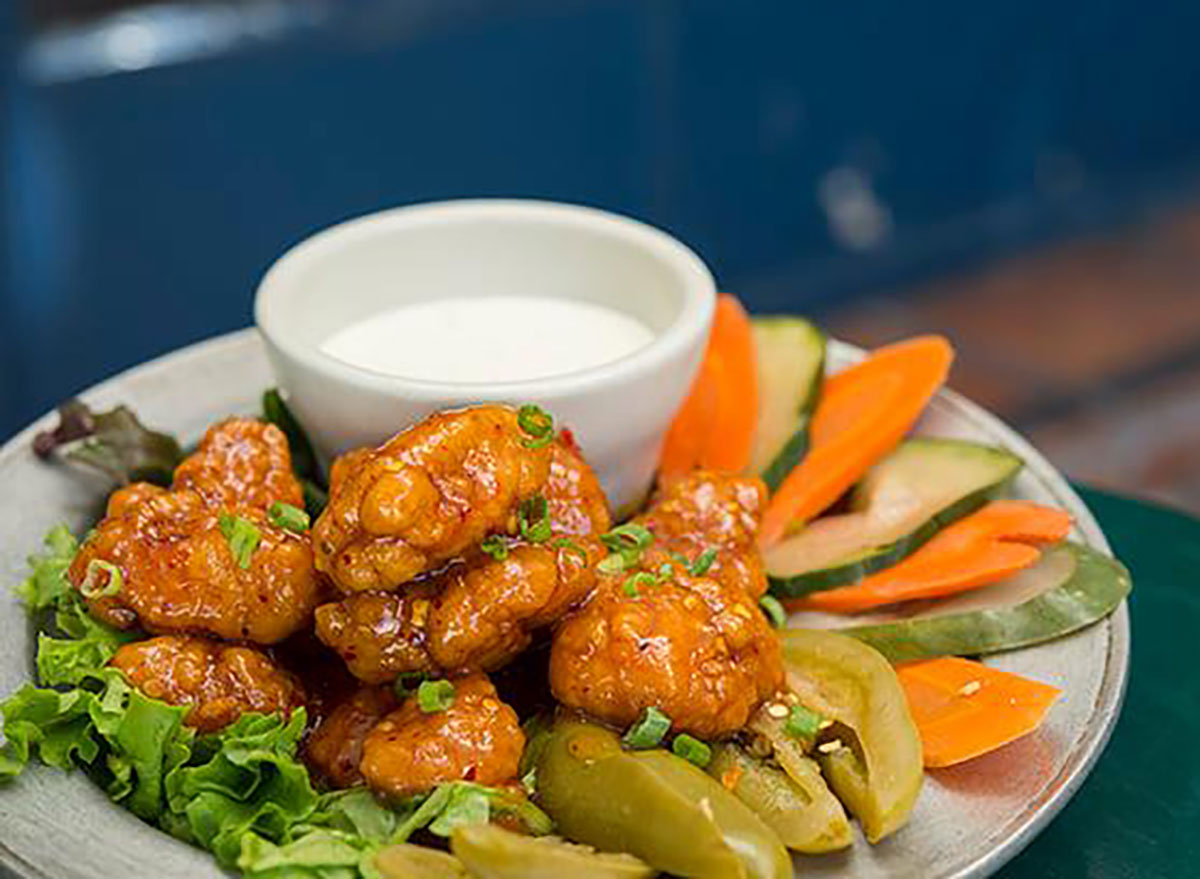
288	518
496	546
534	519
633	581
802	723
537	424
90	587
692	749
406	683
648	731
435	696
570	546
242	537
612	564
626	543
774	610
703	562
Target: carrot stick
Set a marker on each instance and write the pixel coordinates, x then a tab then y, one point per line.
715	426
963	709
731	439
992	543
863	412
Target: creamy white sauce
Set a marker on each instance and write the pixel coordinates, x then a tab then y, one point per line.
488	339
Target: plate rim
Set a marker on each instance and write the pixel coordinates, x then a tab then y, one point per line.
1018	832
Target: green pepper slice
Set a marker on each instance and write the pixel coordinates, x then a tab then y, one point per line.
871	756
796	803
490	852
653	805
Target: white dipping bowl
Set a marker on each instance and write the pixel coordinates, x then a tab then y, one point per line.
619	411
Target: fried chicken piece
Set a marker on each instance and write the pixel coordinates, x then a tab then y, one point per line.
178	572
473	616
379	635
426	496
486	615
334	749
219	681
710	510
241	462
477	738
694	646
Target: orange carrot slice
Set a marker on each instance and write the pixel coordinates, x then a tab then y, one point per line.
715	426
963	709
992	543
863	412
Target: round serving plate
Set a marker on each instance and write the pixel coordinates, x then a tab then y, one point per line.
968	821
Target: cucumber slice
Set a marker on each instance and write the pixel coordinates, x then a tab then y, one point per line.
921	487
791	366
1071	587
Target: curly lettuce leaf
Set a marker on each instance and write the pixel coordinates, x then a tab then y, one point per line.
47	580
114	443
246	780
320	854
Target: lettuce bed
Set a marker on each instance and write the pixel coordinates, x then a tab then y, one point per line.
242	794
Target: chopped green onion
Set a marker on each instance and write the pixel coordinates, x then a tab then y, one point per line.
90	587
665	571
537	424
435	696
649	730
242	537
692	749
570	546
534	519
774	610
288	518
496	546
802	723
703	562
626	543
407	682
612	564
633	581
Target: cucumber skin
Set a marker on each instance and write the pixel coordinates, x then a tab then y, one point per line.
852	572
794	450
1093	590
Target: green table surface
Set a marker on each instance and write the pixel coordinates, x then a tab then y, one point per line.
1138	814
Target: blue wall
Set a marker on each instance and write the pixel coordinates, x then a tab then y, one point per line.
808	151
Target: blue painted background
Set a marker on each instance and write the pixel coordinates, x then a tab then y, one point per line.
808	151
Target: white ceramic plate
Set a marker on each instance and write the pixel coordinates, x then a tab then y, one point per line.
968	822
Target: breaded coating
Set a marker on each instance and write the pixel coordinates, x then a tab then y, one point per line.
178	572
334	748
693	645
379	635
426	496
485	615
219	681
473	616
477	738
241	462
711	510
576	502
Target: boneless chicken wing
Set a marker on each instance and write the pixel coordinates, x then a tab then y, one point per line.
165	558
476	738
219	681
334	748
427	495
669	633
168	564
241	462
711	511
